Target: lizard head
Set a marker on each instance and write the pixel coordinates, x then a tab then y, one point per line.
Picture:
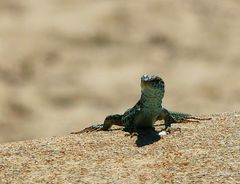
152	84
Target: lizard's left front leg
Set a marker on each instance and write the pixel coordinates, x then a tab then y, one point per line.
168	119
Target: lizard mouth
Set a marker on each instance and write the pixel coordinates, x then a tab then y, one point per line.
151	82
147	84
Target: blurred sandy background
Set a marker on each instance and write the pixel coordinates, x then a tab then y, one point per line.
67	64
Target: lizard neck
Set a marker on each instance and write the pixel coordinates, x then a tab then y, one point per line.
151	101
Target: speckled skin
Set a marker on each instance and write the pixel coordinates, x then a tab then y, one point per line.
147	110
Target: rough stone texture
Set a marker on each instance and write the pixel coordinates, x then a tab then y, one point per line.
206	152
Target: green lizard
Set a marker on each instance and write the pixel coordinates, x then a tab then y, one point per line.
146	112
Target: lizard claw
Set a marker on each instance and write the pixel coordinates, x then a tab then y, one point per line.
92	128
132	134
169	130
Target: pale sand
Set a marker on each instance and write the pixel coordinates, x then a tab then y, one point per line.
201	153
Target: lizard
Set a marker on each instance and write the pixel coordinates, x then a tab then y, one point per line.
146	111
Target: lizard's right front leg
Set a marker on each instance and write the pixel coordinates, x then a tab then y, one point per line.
108	122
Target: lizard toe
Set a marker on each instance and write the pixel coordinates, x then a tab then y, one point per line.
92	128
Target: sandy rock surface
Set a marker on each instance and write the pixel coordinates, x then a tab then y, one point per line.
206	152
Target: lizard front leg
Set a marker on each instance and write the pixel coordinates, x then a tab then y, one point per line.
108	122
168	119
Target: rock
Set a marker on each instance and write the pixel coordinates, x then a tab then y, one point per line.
200	153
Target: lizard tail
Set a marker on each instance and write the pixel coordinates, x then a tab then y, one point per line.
180	117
